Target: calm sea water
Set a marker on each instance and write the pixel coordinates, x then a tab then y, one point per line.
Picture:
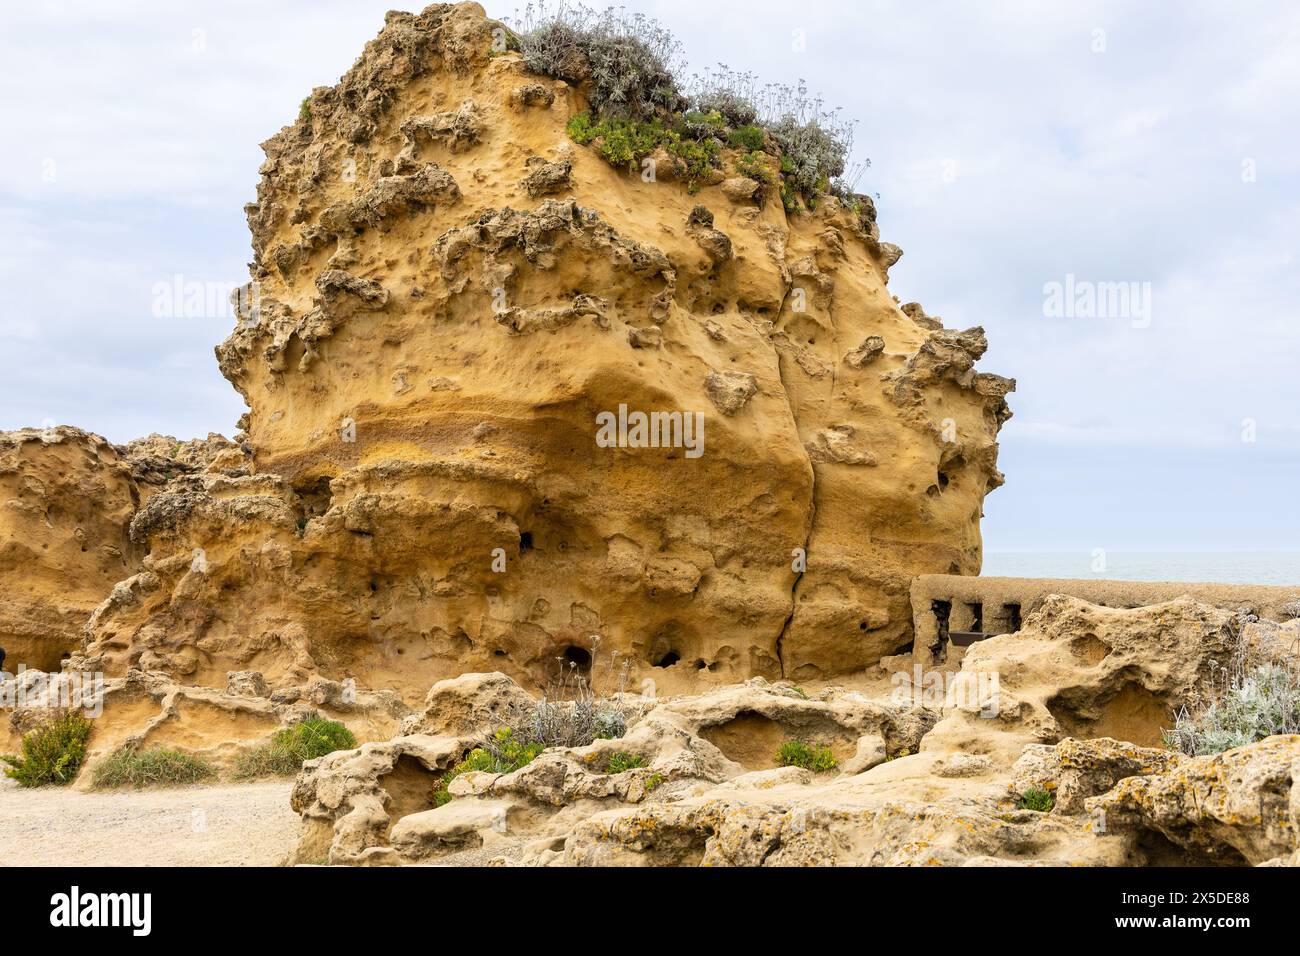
1228	567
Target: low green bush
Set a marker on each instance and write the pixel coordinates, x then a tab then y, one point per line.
795	753
621	141
1260	700
751	138
621	762
290	747
1041	801
756	166
157	766
52	753
504	753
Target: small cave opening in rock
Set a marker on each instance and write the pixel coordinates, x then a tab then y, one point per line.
1012	614
942	611
943	480
314	498
976	616
668	660
579	656
525	542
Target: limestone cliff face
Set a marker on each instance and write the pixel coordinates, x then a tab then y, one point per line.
449	295
66	498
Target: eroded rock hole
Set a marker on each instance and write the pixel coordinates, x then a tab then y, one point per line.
976	616
579	656
525	542
314	497
668	660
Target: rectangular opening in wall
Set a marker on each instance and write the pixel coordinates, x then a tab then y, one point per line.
976	617
1012	613
942	612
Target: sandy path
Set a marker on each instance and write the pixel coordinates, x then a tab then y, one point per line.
236	825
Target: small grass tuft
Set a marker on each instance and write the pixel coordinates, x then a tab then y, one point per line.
290	747
157	766
622	762
1038	800
795	753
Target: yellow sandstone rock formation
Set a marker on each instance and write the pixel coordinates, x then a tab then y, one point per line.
451	298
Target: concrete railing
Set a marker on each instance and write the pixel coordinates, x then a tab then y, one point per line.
946	603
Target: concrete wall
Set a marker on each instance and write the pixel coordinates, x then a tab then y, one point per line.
999	600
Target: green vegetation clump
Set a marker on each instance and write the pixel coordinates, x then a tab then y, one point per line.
619	141
574	723
1041	801
627	63
622	762
750	137
628	141
304	109
1259	699
290	747
630	68
653	782
795	753
157	766
504	753
52	753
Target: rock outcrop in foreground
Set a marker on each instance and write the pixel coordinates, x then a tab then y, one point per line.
450	297
914	784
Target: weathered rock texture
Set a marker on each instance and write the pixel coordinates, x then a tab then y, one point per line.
66	499
1082	670
705	791
907	791
449	294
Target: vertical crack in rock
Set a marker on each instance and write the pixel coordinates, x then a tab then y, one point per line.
812	497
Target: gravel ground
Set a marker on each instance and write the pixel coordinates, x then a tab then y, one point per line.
236	825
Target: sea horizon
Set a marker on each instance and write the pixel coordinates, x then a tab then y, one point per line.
1207	567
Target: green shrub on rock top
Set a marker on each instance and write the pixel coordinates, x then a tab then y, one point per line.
629	68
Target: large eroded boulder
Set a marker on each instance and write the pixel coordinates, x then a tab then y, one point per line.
450	297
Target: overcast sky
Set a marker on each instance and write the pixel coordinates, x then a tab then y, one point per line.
1012	144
